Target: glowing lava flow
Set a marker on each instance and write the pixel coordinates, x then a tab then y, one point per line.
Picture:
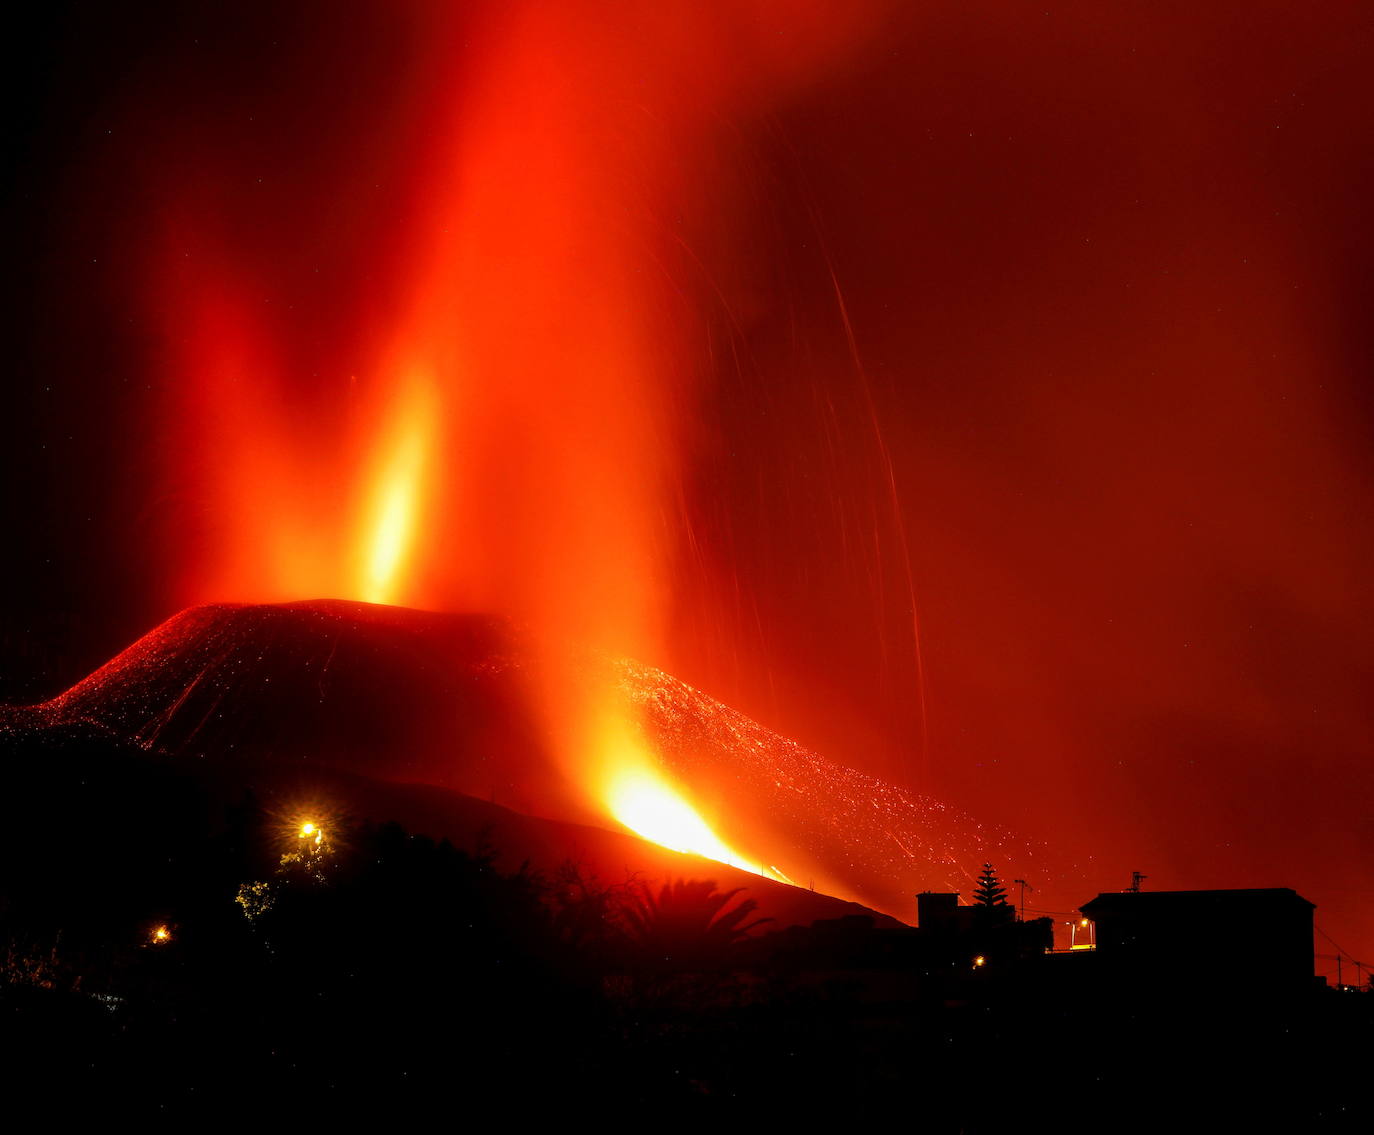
640	797
643	801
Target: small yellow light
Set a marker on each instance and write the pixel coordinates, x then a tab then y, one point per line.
161	934
1084	922
307	830
979	962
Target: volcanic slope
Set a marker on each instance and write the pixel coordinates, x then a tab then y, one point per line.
396	695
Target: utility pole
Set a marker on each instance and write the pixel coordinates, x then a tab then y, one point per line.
1025	886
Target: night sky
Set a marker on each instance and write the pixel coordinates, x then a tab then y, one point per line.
1047	321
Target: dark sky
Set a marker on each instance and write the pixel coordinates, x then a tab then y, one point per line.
1052	317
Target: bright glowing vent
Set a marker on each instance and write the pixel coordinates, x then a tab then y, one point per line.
646	804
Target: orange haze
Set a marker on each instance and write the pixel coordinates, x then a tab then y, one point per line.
505	426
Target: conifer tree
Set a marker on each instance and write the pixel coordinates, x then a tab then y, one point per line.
989	891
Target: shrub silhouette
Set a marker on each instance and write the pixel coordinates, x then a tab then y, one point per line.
687	922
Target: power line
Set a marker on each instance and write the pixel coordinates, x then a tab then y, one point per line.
1339	948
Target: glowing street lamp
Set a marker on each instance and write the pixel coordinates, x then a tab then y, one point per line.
160	936
304	839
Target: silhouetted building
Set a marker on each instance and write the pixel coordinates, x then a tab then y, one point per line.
987	938
942	913
1259	935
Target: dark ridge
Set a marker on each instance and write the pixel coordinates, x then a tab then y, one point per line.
396	695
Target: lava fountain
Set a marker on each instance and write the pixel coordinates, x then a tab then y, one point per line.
390	522
480	402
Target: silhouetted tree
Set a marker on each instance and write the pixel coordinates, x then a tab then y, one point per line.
687	921
589	915
989	891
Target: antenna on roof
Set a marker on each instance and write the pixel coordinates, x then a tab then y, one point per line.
1136	877
1025	886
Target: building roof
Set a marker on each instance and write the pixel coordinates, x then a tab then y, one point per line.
1115	902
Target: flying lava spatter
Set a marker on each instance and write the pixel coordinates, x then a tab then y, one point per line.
716	334
508	421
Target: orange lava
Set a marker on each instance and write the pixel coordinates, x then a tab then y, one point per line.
390	525
642	800
628	781
501	372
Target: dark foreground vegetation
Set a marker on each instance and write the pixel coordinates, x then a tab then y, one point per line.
170	957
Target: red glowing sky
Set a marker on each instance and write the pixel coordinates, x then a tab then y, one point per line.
1052	319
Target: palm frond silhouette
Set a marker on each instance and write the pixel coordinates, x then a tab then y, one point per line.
688	919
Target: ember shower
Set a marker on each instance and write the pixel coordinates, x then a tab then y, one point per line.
494	307
499	390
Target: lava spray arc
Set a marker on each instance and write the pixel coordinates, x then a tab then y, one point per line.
500	366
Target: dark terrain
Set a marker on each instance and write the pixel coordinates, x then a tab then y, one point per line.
438	957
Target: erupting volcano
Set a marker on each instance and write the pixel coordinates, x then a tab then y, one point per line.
509	440
294	694
508	444
563	410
